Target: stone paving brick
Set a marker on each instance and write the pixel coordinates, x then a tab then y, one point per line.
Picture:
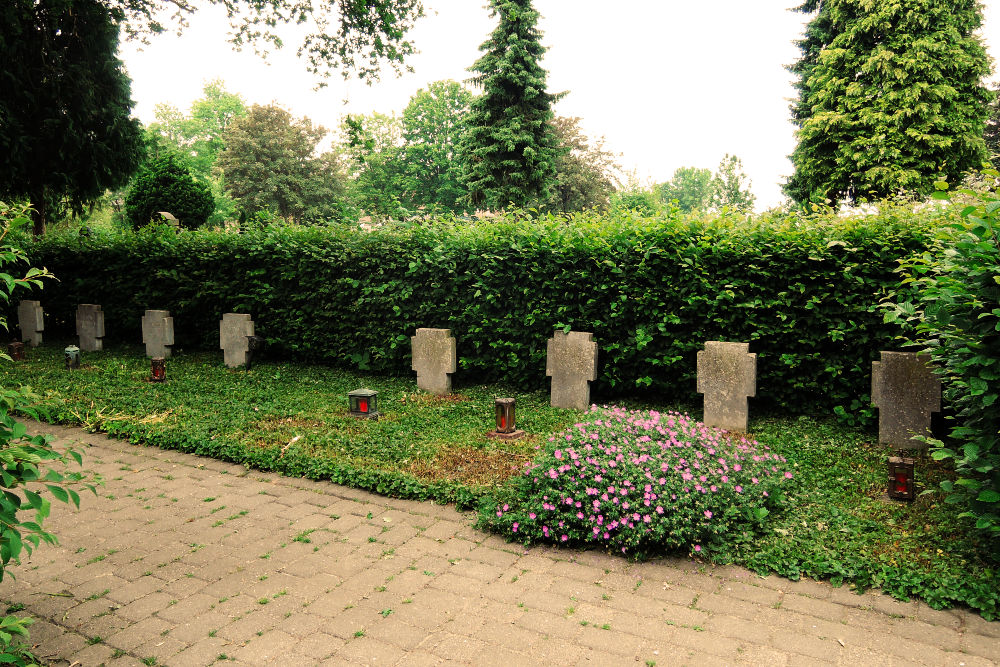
481	601
138	633
203	652
96	654
986	647
270	647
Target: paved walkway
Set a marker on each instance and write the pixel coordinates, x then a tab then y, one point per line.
190	561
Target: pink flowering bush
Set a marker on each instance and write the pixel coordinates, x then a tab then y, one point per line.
640	483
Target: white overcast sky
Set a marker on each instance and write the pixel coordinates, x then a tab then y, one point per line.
668	83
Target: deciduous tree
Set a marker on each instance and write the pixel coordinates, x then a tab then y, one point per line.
348	35
731	187
890	97
690	187
270	163
586	174
433	124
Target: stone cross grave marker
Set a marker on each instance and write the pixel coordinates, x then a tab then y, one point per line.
31	320
157	333
906	391
571	362
233	331
434	358
90	327
727	376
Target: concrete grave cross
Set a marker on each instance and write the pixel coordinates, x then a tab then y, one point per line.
434	357
233	331
31	320
906	391
727	376
90	327
157	333
571	362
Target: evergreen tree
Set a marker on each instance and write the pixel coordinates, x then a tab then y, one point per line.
890	97
166	185
509	147
65	102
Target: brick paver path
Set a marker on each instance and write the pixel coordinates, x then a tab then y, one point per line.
195	562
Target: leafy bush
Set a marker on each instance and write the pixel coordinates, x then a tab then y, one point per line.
166	185
803	290
956	312
24	460
642	482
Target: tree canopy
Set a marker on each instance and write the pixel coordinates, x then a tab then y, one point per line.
270	164
890	97
586	174
343	35
66	133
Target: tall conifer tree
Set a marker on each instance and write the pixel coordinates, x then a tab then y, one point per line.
891	97
509	148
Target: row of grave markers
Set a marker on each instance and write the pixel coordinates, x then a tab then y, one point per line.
904	386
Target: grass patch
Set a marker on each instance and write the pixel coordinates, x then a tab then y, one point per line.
424	446
833	523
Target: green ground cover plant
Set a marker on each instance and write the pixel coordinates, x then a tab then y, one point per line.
832	521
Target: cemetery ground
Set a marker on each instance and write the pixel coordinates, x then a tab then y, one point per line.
281	417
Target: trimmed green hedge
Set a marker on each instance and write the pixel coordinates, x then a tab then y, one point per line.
803	290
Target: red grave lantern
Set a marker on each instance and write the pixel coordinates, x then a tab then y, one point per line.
901	486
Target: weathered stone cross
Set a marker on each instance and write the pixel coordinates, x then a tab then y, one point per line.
571	362
906	391
90	327
434	358
31	320
727	375
233	331
158	333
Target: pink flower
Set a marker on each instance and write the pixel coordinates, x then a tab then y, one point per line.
788	475
697	547
564	538
516	524
708	514
531	515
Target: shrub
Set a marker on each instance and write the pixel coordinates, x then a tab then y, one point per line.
642	482
27	473
167	185
956	312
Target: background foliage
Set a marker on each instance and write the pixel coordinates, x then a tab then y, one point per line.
891	97
166	185
804	291
956	314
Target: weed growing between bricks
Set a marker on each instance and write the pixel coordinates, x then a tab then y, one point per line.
832	522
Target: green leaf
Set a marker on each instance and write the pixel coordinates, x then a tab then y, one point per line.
988	496
58	492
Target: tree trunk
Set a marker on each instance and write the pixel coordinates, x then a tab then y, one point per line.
39	211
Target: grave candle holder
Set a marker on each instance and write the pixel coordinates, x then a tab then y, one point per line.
901	486
363	403
16	350
506	420
72	357
254	344
158	369
504	408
